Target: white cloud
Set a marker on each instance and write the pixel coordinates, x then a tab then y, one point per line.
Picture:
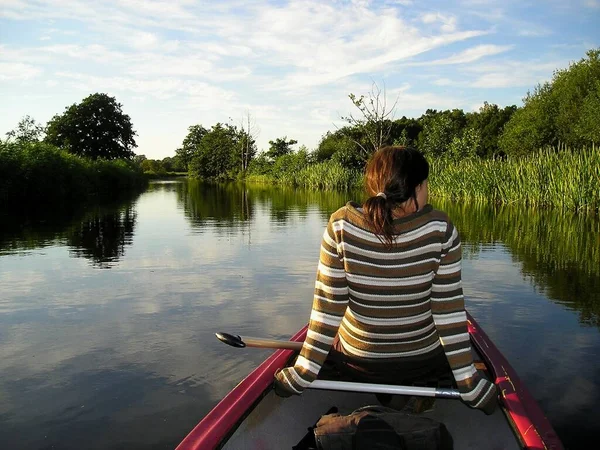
470	55
18	71
595	4
448	22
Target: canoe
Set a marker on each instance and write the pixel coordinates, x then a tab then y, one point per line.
251	416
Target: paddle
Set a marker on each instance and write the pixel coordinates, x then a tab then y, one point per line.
237	341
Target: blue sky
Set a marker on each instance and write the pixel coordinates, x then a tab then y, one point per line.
291	64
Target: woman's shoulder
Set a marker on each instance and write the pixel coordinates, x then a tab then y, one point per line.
350	212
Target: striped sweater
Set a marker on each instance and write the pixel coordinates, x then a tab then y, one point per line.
389	304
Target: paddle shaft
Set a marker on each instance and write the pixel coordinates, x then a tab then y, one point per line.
238	341
271	343
384	389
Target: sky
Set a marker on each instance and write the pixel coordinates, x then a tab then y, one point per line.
289	64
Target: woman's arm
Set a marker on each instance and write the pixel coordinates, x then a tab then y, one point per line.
448	308
329	305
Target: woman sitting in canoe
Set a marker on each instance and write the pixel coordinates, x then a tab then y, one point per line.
388	303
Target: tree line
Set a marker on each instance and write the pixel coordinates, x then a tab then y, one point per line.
561	113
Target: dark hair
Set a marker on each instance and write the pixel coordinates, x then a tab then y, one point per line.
396	172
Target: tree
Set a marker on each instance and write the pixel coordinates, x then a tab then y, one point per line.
248	141
190	144
94	128
28	130
280	147
439	129
489	122
376	121
465	146
217	155
564	110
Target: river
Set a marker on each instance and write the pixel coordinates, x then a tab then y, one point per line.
108	315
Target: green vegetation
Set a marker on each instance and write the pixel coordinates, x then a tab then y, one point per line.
37	173
84	155
95	128
558	250
559	177
565	110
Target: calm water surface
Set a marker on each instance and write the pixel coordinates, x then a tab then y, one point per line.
107	317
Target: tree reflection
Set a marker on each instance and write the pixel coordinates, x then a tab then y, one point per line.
559	251
223	205
103	236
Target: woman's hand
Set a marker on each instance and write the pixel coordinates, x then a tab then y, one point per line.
281	388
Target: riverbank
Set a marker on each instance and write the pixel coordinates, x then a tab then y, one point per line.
563	178
37	175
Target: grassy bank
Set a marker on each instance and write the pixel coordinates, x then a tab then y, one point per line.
35	176
565	178
325	175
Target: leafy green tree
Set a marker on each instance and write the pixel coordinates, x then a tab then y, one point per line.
405	131
190	144
467	145
489	122
95	128
564	110
280	146
28	130
218	154
260	165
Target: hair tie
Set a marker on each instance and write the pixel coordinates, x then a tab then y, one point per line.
381	194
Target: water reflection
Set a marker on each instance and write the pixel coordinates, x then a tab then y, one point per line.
99	234
102	237
233	203
559	251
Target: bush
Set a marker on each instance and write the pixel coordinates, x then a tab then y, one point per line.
41	174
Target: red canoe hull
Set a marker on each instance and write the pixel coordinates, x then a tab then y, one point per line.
528	420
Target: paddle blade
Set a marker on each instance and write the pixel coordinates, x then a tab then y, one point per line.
230	339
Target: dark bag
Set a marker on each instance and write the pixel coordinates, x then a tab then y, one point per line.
381	428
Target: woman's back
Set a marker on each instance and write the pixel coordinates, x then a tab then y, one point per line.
389	289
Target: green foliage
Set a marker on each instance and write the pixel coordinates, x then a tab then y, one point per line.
280	147
95	128
564	110
566	178
218	155
341	148
190	144
28	130
439	130
465	146
45	175
489	123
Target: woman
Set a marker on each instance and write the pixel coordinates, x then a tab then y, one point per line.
388	295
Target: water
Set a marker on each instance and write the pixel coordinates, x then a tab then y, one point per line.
107	316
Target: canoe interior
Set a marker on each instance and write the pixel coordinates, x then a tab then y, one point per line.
277	423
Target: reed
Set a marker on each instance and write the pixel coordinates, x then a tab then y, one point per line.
565	178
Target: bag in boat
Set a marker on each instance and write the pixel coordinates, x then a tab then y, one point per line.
380	428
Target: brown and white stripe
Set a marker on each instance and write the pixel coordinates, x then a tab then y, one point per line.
389	304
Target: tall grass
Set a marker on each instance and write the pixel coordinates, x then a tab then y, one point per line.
38	175
553	177
566	178
324	175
